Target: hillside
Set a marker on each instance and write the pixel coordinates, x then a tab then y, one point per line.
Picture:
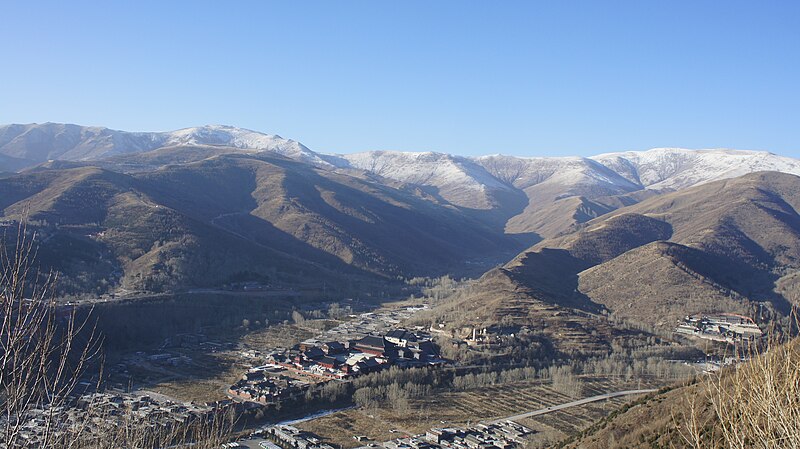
727	246
368	225
238	217
756	405
677	168
559	192
100	231
533	197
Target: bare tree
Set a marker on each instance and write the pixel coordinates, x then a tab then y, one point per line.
46	350
42	360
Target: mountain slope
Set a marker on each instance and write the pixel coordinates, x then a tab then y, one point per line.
535	198
721	247
38	143
677	168
366	224
753	404
228	217
457	180
659	282
562	192
101	230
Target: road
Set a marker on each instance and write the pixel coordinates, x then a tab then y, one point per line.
554	408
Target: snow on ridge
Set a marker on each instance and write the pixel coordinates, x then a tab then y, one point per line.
675	168
244	139
425	168
677	150
524	172
74	142
657	168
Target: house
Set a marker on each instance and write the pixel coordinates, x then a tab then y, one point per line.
328	362
313	353
401	337
373	345
308	344
427	348
369	365
254	375
333	348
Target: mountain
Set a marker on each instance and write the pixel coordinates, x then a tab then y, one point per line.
457	180
365	224
535	198
559	192
37	143
239	216
677	168
556	188
726	246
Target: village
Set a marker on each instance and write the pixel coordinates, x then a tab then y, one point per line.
288	373
103	408
502	435
499	435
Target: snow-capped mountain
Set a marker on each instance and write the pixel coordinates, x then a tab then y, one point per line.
606	174
560	191
36	143
231	136
677	168
458	180
568	175
525	194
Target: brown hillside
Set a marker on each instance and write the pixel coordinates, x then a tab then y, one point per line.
754	405
732	242
224	218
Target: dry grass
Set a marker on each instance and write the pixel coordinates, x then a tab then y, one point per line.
277	336
339	428
755	406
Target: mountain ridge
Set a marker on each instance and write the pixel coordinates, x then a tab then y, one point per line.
534	197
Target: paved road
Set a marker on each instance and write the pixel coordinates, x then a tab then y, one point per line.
553	408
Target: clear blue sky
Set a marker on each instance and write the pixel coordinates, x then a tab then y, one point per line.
524	78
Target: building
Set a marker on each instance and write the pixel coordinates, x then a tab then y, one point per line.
401	337
371	344
333	348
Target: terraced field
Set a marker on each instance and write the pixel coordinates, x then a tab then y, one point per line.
499	401
483	404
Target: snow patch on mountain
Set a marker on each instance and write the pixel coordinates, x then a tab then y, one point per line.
458	180
470	182
677	168
50	141
427	168
232	136
525	172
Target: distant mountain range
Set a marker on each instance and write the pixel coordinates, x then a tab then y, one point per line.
200	207
35	143
538	196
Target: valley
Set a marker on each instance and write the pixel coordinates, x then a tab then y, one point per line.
231	271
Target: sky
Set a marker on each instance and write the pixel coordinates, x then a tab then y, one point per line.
466	77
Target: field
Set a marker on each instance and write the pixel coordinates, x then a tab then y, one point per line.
276	336
469	407
205	378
